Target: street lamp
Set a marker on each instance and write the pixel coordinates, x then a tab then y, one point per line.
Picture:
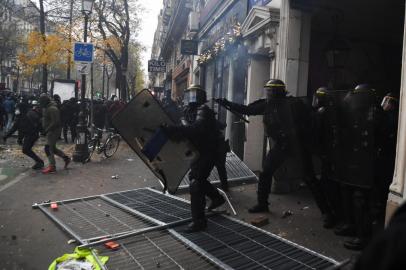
81	149
87	7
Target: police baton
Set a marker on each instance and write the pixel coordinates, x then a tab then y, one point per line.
228	108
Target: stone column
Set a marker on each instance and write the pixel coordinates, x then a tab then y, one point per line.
293	49
397	190
258	73
230	96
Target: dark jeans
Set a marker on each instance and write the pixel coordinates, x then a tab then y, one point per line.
50	147
28	143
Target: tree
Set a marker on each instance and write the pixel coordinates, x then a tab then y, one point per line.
48	52
135	72
114	25
8	32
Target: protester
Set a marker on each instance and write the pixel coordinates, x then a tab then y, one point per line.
28	124
52	126
9	107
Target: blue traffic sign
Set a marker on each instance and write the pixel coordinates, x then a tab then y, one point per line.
83	52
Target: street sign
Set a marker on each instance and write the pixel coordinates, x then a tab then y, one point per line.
83	52
156	66
188	47
83	68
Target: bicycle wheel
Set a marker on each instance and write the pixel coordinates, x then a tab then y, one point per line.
91	147
111	146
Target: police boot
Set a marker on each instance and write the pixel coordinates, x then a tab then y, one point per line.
196	226
355	244
262	205
218	201
362	221
264	187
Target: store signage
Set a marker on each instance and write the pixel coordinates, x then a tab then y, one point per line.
156	66
188	47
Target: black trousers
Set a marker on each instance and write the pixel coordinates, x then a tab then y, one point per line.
274	159
356	209
220	164
331	189
200	187
28	143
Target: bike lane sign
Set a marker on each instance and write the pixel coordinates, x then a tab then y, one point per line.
83	52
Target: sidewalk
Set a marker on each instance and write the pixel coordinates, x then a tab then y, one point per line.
29	240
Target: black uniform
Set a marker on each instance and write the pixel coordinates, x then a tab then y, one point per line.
69	118
28	124
327	148
285	129
203	133
360	116
190	113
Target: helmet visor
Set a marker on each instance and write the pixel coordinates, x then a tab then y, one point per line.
388	103
190	96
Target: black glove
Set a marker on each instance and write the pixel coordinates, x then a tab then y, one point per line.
171	132
223	101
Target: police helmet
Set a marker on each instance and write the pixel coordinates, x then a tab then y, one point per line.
195	94
364	87
320	97
275	87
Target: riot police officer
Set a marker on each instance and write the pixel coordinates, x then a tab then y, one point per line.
284	128
359	118
200	127
326	147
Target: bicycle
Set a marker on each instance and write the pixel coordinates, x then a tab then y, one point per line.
108	147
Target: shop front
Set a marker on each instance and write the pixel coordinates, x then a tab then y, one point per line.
223	64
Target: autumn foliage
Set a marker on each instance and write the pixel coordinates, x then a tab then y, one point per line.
51	50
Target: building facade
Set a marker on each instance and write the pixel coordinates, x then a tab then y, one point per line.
307	44
18	18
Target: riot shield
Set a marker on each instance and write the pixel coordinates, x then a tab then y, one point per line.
334	133
292	116
359	125
139	124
